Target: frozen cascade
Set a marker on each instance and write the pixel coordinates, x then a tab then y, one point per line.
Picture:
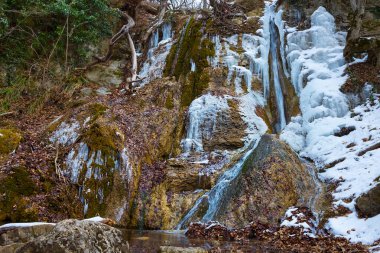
316	52
81	157
317	71
266	55
202	114
159	47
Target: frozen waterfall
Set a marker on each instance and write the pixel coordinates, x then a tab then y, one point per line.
159	47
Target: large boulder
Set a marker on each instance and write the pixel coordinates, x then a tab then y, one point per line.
272	180
12	238
78	236
368	205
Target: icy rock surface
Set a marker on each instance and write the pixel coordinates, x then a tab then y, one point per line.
159	48
258	49
202	119
66	134
81	157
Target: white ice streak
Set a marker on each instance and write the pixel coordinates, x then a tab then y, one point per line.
66	134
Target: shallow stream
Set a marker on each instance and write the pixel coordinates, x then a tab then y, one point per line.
144	241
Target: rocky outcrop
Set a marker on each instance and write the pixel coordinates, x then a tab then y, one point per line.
110	75
272	180
364	33
14	237
78	236
368	205
229	130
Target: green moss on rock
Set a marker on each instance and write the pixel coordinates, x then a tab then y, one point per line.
9	141
16	188
103	143
100	138
192	47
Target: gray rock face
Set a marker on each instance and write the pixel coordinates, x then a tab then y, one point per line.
368	205
110	75
78	236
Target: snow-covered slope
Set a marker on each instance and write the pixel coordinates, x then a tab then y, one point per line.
328	132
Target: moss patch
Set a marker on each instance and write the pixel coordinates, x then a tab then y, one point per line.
96	110
15	205
194	48
9	141
100	137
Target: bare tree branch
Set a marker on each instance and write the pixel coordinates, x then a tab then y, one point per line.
159	22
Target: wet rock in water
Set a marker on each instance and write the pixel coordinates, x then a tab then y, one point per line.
272	180
171	249
78	236
368	205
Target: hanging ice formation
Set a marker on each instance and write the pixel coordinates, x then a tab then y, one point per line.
159	47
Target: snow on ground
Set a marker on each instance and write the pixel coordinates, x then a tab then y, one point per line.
295	218
26	224
328	132
366	231
32	224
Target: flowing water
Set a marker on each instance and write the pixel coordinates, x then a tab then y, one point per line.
215	195
275	70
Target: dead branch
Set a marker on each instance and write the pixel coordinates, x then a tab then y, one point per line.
131	22
58	170
6	114
159	22
115	38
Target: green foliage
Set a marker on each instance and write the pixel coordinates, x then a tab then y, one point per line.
33	30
